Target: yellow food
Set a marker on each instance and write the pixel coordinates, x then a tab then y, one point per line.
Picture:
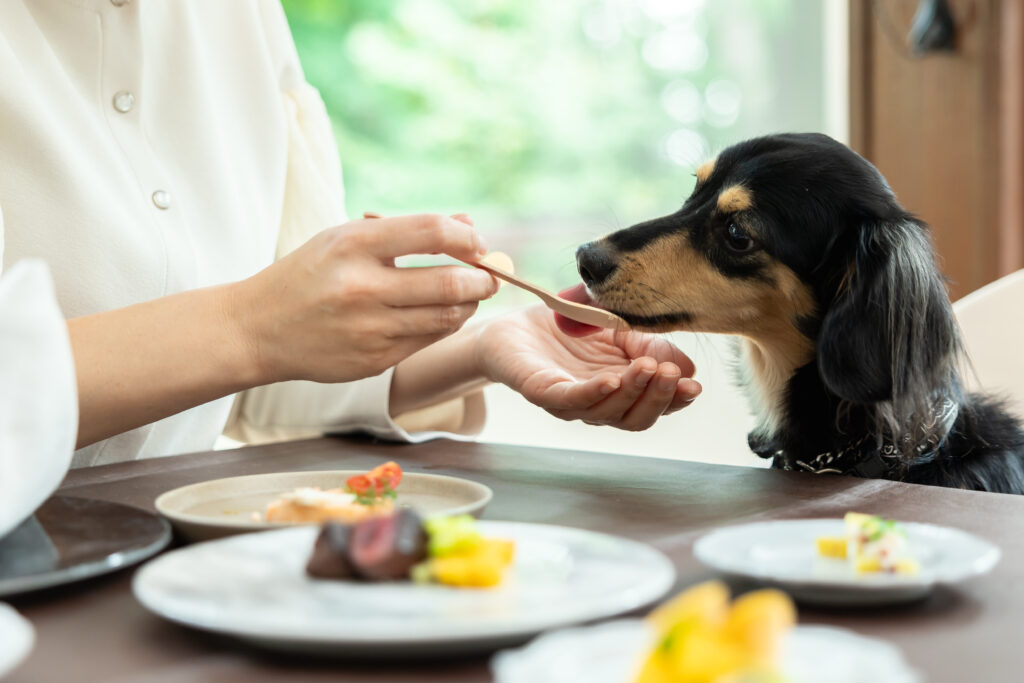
871	545
832	546
702	638
481	564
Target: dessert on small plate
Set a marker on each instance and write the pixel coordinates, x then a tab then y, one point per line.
859	560
468	596
258	502
700	637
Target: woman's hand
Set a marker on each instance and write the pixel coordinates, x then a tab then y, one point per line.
623	379
337	309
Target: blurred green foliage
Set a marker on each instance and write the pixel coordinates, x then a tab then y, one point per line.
551	121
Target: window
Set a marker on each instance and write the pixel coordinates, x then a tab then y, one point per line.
552	123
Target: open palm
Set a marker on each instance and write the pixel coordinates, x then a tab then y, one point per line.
624	379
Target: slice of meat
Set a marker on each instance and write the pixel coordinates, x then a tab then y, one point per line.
386	548
330	553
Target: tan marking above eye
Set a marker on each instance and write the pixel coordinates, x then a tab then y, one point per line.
705	170
735	198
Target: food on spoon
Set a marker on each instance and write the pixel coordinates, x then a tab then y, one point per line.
702	638
871	544
364	496
446	550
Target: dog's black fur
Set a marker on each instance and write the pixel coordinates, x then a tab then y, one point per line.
863	376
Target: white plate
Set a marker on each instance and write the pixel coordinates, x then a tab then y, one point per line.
783	553
222	507
255	587
613	652
16	639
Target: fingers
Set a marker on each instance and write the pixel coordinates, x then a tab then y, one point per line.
637	344
686	391
416	321
654	402
444	285
634	383
420	234
648	391
560	394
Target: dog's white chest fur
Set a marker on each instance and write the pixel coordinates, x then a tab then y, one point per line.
764	378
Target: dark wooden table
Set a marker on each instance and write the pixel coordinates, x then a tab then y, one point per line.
95	631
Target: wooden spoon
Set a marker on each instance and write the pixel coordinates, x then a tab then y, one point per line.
588	315
582	313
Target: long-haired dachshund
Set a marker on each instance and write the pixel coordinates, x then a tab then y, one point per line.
848	347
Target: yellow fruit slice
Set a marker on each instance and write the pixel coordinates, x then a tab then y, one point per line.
864	564
758	621
480	570
706	602
501	549
907	566
832	546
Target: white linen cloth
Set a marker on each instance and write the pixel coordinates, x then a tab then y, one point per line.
38	397
151	147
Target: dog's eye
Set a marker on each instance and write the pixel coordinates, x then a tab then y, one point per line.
737	239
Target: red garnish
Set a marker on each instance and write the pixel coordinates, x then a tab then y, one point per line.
359	484
389	473
380	482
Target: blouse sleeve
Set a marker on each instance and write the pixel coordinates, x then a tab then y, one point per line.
38	404
314	199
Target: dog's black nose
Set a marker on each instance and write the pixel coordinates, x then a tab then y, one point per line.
595	263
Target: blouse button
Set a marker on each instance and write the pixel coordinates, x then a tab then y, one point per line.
124	101
162	199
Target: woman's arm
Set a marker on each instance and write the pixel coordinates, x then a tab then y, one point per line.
334	310
142	363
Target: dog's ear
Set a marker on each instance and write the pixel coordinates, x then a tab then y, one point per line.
890	334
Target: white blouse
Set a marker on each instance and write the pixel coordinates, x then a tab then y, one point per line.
151	147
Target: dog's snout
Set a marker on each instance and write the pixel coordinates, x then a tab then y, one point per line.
595	262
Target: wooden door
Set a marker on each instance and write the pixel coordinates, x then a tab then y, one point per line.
946	128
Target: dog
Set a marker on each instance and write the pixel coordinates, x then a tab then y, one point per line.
847	344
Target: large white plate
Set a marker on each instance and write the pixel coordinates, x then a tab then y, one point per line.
16	639
783	553
255	587
613	652
222	507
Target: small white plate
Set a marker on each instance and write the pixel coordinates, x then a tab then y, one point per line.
614	652
783	553
16	639
255	587
222	507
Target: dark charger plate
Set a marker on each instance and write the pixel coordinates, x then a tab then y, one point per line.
70	539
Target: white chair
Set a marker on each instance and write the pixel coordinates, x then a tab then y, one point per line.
992	320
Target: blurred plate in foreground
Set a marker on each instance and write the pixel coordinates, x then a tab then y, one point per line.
614	653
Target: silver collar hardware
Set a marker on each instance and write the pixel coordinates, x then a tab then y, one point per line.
879	461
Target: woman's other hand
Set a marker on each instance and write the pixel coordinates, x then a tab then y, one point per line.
623	379
337	309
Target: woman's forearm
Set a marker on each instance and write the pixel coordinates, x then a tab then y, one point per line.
442	371
145	362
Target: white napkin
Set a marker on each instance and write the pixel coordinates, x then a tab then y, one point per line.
38	394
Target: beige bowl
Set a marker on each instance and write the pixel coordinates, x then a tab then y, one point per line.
222	507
